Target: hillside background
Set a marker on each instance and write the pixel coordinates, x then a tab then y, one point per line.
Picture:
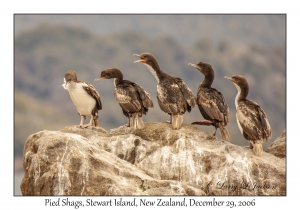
46	46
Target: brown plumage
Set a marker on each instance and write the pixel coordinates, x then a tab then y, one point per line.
251	118
85	98
173	95
132	98
211	102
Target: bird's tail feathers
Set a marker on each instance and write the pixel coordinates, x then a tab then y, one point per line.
224	133
95	123
177	121
136	122
257	148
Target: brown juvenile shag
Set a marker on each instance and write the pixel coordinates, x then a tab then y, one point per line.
211	102
132	98
173	95
251	118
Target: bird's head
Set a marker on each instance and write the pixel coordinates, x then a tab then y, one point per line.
205	68
238	80
69	77
109	74
145	58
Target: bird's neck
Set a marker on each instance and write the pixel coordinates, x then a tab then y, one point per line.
241	95
155	70
72	84
208	80
118	80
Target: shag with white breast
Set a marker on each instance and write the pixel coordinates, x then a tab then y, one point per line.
132	98
85	98
173	95
251	118
211	102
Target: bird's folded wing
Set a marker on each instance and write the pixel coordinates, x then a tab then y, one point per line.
90	89
186	91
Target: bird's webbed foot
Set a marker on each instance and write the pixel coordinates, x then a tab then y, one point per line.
215	131
87	125
81	121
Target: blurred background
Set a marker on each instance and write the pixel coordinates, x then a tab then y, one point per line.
46	46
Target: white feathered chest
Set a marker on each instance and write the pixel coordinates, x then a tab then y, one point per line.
83	102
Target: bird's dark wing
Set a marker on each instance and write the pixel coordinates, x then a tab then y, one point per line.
253	120
127	98
186	91
214	104
144	96
267	132
90	89
169	97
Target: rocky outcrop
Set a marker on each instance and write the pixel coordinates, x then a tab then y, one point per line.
278	147
155	160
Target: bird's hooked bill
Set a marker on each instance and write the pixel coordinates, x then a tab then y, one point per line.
137	60
226	77
97	79
191	64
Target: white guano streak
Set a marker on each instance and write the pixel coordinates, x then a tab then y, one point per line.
84	168
61	174
37	169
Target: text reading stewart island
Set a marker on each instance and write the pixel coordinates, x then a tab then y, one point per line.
187	202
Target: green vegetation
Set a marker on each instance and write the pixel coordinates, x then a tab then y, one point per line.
142	187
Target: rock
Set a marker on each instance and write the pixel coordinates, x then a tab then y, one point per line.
278	147
155	160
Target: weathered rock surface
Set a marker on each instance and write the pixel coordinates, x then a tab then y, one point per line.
155	160
278	147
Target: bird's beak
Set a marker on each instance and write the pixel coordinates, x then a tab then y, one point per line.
97	79
193	65
226	77
137	61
